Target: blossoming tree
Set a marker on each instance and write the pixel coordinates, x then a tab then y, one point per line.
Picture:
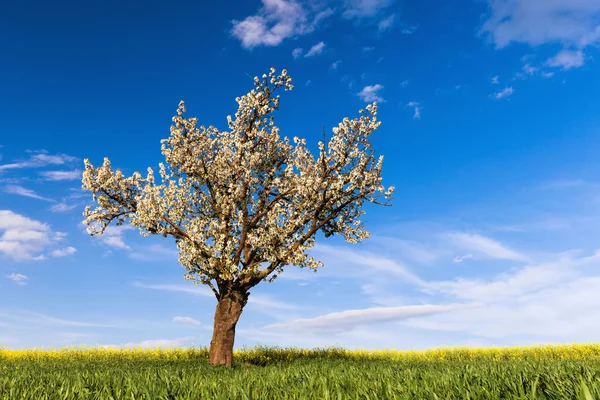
241	204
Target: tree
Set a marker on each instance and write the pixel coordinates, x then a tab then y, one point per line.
242	204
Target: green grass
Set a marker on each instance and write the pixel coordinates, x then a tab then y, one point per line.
298	379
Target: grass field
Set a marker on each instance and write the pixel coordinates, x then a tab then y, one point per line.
541	372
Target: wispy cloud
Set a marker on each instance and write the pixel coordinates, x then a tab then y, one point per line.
364	8
21	191
417	109
297	52
528	301
561	184
351	319
316	49
567	59
386	23
529	69
41	319
502	94
336	64
370	93
484	246
67	251
62	207
189	288
38	160
18	278
186	320
371	260
61	175
494	80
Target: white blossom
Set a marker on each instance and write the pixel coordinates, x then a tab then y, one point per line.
239	199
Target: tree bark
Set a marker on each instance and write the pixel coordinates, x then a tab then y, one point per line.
227	314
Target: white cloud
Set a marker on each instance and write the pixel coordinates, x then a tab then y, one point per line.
186	320
368	48
404	83
21	191
113	236
529	70
61	207
24	239
573	23
537	22
67	251
336	64
494	80
351	319
61	175
297	52
519	76
369	93
386	23
364	8
316	49
527	303
39	160
547	75
18	278
10	220
276	21
417	108
567	59
504	93
484	246
115	241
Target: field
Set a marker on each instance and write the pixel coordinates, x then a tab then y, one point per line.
540	372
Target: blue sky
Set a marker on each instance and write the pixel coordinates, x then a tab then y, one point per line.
490	120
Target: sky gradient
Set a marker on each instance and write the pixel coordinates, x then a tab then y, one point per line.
490	123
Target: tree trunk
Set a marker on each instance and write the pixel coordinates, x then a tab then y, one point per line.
229	309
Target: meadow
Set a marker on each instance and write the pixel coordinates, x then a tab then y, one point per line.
538	372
